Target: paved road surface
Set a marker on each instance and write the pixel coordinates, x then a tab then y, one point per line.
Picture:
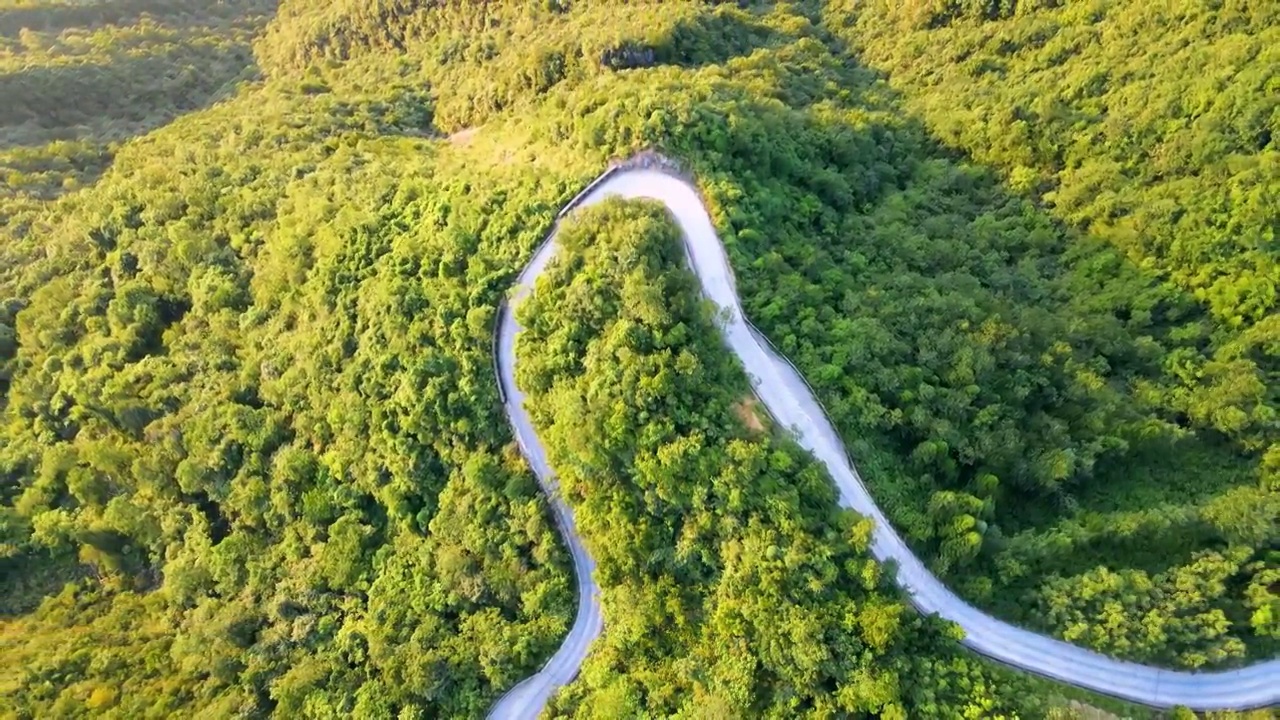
789	400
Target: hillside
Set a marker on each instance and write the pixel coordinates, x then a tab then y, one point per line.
1147	131
252	455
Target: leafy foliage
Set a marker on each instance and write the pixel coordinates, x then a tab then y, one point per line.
733	585
1146	131
246	296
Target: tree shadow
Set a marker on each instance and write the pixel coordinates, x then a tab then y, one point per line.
177	13
703	39
715	38
129	94
1152	543
28	579
60	121
886	254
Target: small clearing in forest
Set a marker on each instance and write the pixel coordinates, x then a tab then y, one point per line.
462	137
748	411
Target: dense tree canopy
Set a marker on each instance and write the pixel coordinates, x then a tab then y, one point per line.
252	457
733	585
1146	130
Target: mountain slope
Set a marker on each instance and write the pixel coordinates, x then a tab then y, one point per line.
245	370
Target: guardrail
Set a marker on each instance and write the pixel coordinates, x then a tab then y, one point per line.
653	160
503	304
656	161
497	371
577	199
647	159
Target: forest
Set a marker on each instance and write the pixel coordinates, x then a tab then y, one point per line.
252	456
728	571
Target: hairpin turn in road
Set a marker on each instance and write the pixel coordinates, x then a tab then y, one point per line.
789	399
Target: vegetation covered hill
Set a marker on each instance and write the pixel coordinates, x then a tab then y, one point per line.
252	458
733	584
78	78
1147	130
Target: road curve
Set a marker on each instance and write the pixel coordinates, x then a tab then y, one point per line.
788	398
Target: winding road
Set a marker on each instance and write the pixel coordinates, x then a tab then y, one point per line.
789	400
